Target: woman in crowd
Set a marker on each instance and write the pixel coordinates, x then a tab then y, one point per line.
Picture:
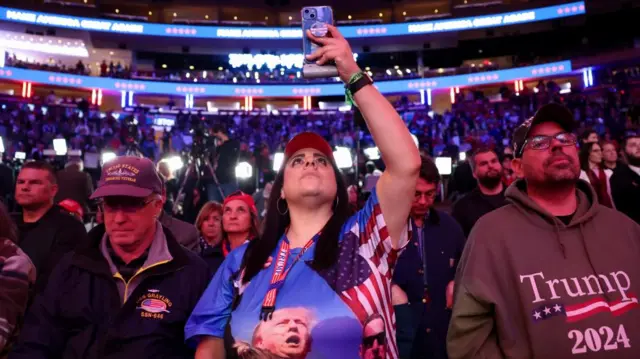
593	171
17	275
610	155
240	222
225	227
209	224
317	275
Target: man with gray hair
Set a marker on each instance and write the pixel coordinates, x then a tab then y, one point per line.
128	291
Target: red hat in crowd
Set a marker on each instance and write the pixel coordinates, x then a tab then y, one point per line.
308	140
72	207
128	176
241	196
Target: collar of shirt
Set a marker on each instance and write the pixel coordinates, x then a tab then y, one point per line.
157	252
127	270
635	169
204	245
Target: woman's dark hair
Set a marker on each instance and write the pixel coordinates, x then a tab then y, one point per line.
275	224
585	151
428	170
585	134
8	228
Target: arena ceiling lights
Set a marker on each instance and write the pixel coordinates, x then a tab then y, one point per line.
360	31
280	90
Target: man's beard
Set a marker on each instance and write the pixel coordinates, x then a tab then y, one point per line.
562	177
490	181
633	160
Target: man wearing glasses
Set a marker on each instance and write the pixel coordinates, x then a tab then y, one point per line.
425	272
554	273
129	290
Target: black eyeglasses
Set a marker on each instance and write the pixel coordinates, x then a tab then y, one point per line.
125	204
381	338
543	142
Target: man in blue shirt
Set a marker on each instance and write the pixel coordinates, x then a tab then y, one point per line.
425	272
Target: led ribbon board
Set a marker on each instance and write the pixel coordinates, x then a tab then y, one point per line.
221	32
298	90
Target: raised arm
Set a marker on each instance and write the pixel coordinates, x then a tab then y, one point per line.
396	186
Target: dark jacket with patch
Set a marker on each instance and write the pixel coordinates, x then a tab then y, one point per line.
81	315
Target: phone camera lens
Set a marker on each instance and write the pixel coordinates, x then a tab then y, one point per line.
312	16
306	11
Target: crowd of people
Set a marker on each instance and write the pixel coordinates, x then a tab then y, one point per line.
102	69
537	259
229	74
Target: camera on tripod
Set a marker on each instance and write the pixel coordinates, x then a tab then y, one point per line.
200	137
132	129
132	137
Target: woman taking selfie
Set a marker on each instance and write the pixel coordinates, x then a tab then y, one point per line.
317	278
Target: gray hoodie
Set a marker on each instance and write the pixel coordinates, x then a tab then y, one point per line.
528	286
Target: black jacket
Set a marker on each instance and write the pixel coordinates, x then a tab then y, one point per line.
185	233
625	190
49	239
80	314
468	209
443	245
213	256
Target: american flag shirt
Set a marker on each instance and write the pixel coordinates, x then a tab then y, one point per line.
318	314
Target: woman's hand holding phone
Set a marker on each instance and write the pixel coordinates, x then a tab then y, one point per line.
334	48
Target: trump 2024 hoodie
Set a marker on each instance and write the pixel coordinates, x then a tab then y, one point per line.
529	286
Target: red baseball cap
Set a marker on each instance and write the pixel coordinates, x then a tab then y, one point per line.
72	207
308	140
128	176
241	196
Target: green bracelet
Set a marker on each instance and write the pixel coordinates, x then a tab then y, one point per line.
347	93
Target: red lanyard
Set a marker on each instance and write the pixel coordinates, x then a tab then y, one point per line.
279	275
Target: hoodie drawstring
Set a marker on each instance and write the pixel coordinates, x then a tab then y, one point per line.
556	231
586	250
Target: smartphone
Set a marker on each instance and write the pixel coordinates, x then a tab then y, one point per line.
315	19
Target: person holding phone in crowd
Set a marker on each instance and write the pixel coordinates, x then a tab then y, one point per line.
312	254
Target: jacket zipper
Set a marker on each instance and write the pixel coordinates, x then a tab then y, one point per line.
126	283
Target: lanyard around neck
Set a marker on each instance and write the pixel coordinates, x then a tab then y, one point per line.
279	275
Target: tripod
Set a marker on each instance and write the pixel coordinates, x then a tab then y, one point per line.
132	148
197	166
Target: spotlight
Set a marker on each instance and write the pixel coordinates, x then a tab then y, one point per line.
108	156
343	157
244	170
60	146
175	163
444	165
372	153
278	158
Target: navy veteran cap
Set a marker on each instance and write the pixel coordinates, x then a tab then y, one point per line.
128	176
